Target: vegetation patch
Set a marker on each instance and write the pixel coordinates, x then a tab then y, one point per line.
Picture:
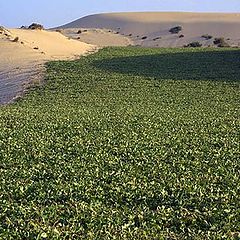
176	30
16	39
194	44
36	26
207	36
2	30
220	42
128	143
156	38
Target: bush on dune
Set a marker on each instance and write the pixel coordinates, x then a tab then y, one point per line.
207	37
193	44
36	26
220	42
176	30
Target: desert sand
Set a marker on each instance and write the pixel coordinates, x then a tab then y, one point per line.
23	54
99	37
152	28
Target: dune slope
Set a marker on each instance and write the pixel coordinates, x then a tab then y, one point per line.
152	28
23	53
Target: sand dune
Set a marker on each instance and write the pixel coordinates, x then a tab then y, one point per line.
152	28
23	53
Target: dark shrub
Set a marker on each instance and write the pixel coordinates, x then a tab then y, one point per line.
156	38
175	30
145	37
194	44
16	39
181	36
23	27
207	37
2	30
79	31
220	42
85	30
35	26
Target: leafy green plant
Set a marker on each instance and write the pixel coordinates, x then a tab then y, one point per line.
127	143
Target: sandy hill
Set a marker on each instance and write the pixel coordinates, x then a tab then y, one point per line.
23	52
152	28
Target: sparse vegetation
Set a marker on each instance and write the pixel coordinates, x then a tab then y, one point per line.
176	30
156	38
16	39
145	37
128	143
2	30
220	42
36	26
207	36
181	36
194	44
79	31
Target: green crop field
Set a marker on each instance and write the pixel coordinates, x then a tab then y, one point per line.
127	143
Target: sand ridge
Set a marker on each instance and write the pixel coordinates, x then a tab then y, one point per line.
151	29
99	37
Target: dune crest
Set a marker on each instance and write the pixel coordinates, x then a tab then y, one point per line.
152	28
